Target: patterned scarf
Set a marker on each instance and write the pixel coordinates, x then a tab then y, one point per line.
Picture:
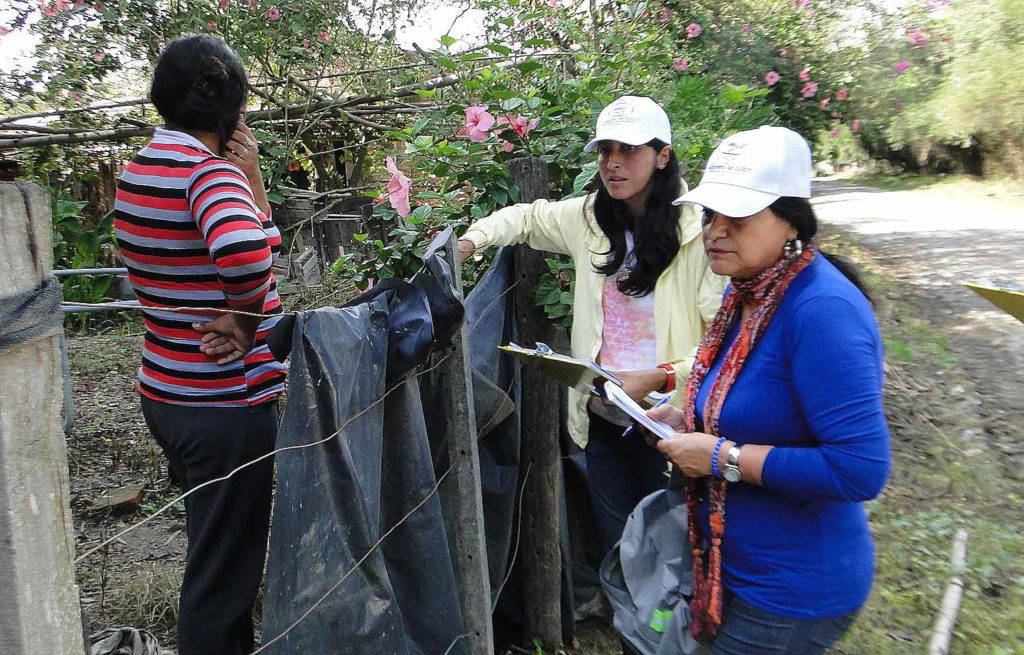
764	292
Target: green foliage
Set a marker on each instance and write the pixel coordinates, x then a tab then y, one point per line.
78	243
554	292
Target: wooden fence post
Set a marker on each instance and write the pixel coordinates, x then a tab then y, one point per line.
39	604
541	553
461	496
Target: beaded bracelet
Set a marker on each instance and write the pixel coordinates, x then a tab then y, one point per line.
670	378
714	457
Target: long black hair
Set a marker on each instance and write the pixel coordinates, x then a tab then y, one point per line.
200	84
799	213
655	236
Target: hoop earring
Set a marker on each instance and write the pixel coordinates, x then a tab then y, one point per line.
793	247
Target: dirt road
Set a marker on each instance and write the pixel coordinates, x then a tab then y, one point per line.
931	241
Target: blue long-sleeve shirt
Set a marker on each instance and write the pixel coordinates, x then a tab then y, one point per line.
799	546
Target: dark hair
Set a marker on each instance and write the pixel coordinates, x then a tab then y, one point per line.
200	84
799	213
655	236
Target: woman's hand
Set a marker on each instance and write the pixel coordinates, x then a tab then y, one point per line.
466	249
637	384
690	452
243	151
228	337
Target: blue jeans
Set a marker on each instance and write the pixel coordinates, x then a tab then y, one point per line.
620	472
747	630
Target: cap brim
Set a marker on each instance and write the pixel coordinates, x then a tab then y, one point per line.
629	137
728	200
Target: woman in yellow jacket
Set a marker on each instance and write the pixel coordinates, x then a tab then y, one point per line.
643	294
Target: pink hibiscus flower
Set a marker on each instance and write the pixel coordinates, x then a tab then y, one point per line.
211	26
809	89
841	94
918	39
521	125
855	125
771	78
805	75
665	15
835	133
478	123
803	4
506	145
398	188
901	66
325	36
745	28
273	13
223	4
554	3
680	65
693	30
824	103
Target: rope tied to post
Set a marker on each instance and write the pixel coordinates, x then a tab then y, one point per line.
31	315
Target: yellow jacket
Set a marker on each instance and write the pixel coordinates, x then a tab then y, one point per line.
686	296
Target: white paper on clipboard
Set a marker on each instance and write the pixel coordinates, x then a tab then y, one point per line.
615	394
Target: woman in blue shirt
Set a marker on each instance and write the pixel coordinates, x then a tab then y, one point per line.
782	435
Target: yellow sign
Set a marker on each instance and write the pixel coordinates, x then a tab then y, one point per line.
1011	302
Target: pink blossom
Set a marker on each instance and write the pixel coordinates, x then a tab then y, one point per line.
398	188
665	15
745	27
339	67
693	30
855	126
478	123
99	6
803	4
680	65
824	103
835	133
49	8
771	77
4	30
805	75
325	36
223	4
506	145
901	66
211	26
841	94
918	39
809	89
521	125
97	57
77	96
554	3
273	13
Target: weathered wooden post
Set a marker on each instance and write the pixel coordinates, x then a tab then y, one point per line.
541	554
39	605
461	496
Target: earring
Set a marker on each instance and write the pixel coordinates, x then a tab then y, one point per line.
793	247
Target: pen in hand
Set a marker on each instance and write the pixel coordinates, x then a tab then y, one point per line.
661	402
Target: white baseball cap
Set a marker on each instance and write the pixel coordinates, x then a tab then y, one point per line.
633	120
750	170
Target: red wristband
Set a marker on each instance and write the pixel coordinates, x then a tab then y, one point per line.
670	378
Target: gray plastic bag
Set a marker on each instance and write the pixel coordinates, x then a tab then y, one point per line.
648	577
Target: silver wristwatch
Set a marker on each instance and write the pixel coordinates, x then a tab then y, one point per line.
731	472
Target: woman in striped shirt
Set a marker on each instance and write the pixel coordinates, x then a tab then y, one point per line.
193	227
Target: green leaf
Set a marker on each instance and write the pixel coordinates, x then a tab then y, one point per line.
447	40
360	237
529	66
447	62
583	179
500	49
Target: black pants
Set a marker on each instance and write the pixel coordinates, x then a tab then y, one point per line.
227	522
621	471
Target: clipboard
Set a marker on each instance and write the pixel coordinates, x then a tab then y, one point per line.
582	375
1008	300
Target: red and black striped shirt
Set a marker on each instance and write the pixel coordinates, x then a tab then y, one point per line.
191	235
